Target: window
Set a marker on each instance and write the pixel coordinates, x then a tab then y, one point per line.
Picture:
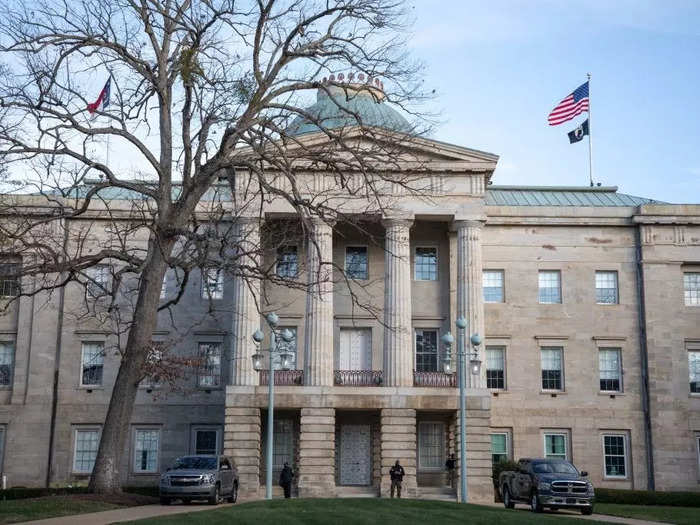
210	369
98	280
697	448
290	347
426	351
7	354
2	447
615	456
154	365
495	367
431	445
550	287
9	279
283	443
212	284
85	452
146	450
555	446
287	261
92	364
426	264
356	264
493	286
552	368
694	371
499	447
606	288
205	441
691	288
610	369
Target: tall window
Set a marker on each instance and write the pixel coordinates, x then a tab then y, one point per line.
426	264
146	450
287	261
210	369
606	288
283	443
499	447
691	288
615	456
493	286
694	371
552	373
555	446
98	280
356	263
610	369
212	283
92	364
426	351
550	287
290	347
495	367
9	279
85	450
431	445
205	441
7	354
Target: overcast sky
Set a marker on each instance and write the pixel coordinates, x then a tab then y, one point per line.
499	67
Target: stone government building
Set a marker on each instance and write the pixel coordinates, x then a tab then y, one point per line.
588	301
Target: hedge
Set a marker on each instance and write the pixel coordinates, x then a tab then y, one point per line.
648	497
24	492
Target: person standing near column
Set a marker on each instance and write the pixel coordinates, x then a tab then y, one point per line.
397	473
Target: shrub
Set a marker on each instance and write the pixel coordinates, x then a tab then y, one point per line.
497	469
648	497
149	490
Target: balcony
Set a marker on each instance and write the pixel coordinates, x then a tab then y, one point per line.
283	377
434	379
357	377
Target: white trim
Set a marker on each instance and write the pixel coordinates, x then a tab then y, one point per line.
145	428
437	346
506	433
345	261
562	370
13	356
617	286
277	253
437	262
3	440
82	358
83	428
560	284
623	435
206	428
565	433
503	284
204	292
441	466
504	348
619	370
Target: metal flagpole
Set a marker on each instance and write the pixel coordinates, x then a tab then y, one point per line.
590	135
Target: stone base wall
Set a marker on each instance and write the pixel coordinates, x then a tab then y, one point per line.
242	444
317	453
478	442
398	441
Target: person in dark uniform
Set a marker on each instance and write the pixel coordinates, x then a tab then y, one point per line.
396	473
450	465
286	477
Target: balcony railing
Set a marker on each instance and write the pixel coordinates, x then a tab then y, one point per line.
283	377
434	379
358	377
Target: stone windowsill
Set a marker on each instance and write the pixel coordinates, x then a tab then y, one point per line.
550	392
604	393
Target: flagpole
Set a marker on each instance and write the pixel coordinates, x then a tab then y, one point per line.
590	135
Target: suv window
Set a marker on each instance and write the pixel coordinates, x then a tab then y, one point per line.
195	463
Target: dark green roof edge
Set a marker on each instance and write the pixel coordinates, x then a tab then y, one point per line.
598	196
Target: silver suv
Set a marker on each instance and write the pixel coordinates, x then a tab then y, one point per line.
200	477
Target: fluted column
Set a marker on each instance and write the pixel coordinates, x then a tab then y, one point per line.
246	318
318	347
398	344
470	302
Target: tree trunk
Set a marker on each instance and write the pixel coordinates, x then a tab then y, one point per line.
106	476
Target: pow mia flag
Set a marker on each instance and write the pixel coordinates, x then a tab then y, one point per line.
578	133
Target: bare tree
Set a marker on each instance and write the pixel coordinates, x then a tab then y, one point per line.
204	97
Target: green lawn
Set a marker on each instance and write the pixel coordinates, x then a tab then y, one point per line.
679	515
357	511
13	511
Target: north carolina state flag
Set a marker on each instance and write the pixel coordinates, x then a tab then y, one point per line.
103	100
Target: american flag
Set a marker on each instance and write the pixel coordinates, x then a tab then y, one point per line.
575	104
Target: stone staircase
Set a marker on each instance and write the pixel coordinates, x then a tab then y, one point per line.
357	492
436	493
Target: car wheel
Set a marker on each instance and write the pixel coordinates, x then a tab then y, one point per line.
535	505
164	500
586	511
215	499
507	501
234	494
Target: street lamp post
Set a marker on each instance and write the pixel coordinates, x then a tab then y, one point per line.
272	320
475	368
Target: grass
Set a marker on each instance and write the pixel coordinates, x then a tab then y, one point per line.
13	511
679	515
356	511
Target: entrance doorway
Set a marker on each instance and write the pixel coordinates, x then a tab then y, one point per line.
355	455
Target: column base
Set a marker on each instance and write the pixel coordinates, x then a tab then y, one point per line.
242	445
479	466
398	442
317	453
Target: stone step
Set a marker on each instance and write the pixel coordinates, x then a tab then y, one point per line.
357	492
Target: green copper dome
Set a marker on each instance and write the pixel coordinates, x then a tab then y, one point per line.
336	107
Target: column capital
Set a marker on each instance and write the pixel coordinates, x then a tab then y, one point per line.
458	224
389	222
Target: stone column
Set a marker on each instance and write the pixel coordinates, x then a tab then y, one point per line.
470	301
242	445
479	467
398	427
398	344
318	332
246	318
317	453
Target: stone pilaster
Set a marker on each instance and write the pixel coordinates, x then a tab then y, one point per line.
242	445
398	344
470	301
479	468
318	348
317	453
246	318
398	441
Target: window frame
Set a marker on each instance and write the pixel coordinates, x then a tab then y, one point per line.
625	456
82	364
295	330
206	428
345	263
503	285
689	298
617	286
77	430
218	379
145	428
559	287
437	349
3	439
620	369
693	349
696	436
508	453
562	380
218	293
441	461
437	262
565	434
503	350
15	285
278	253
12	344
